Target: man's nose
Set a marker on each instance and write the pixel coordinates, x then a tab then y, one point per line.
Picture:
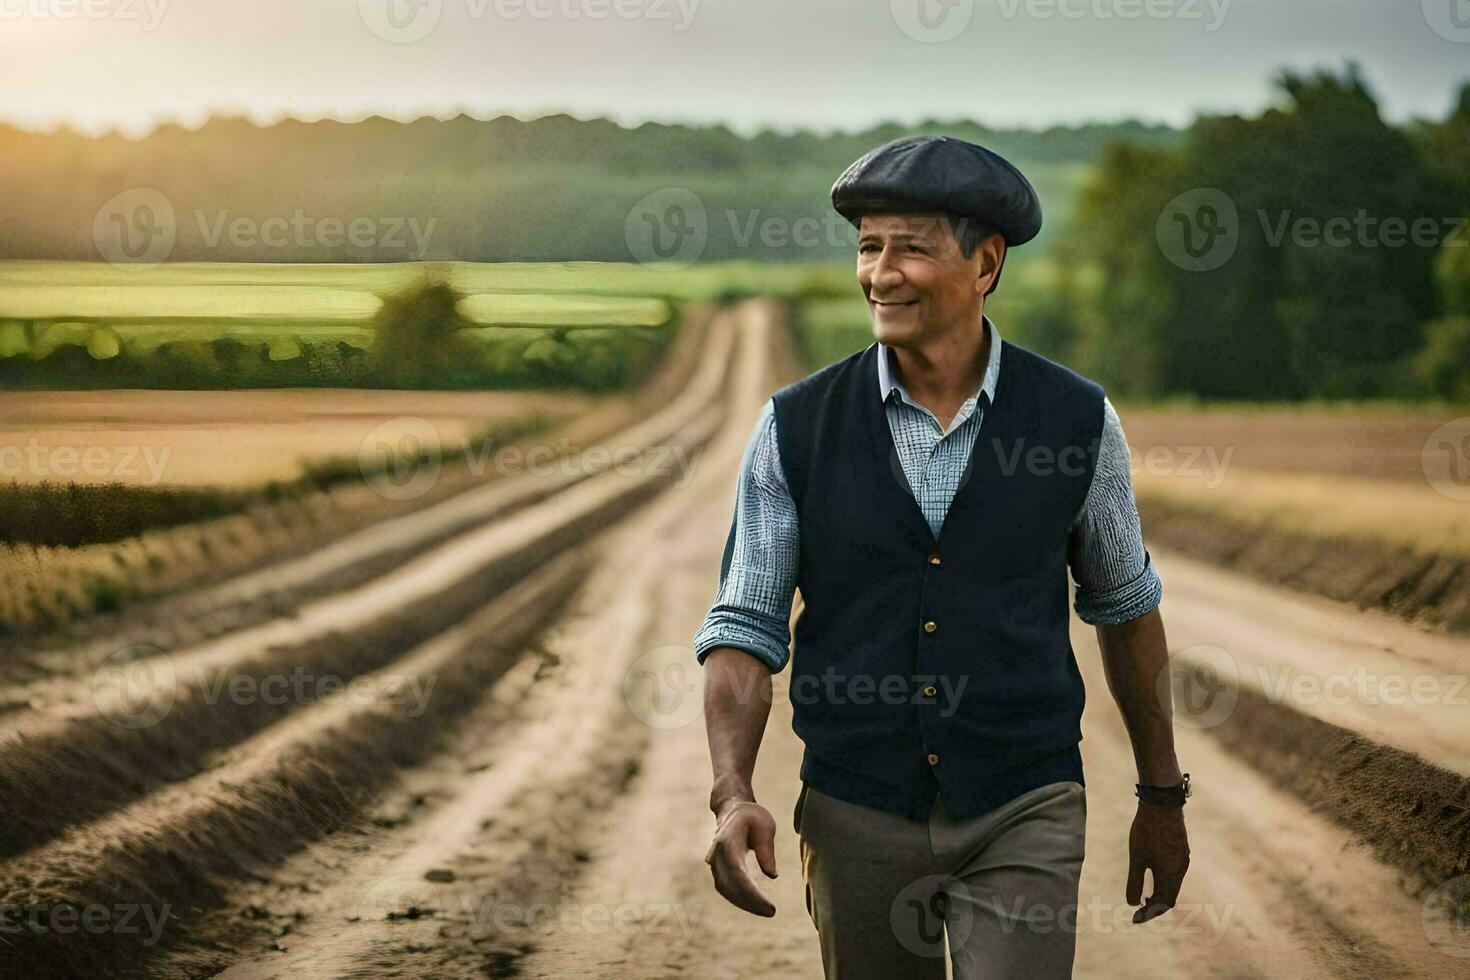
886	271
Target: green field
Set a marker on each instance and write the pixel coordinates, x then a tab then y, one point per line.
592	325
704	281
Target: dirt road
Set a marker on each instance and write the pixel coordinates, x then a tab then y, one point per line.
1274	891
556	827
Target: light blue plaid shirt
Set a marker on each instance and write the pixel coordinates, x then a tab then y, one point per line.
1115	577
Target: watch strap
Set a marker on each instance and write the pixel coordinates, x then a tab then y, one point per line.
1164	795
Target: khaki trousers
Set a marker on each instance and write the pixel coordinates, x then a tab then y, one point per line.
888	894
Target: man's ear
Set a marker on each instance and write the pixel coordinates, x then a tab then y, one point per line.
992	257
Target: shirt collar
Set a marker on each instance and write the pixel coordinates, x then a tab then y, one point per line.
887	379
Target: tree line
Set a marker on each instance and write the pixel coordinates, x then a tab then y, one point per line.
1312	251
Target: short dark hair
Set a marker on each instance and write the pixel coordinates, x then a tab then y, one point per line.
967	231
970	233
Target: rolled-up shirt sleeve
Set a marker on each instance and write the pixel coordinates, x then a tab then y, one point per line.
1114	572
752	608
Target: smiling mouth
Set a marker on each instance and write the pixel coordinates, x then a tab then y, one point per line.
879	302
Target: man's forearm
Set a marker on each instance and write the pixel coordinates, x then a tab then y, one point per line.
1135	656
737	702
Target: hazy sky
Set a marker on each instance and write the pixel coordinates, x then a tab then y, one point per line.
100	64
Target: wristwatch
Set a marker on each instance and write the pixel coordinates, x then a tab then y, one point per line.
1164	795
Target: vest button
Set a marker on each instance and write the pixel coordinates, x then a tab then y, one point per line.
930	626
933	759
930	691
934	558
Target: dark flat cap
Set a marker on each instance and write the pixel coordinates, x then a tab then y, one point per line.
940	173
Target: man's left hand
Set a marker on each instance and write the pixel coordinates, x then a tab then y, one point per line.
1159	844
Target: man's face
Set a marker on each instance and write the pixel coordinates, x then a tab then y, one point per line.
916	280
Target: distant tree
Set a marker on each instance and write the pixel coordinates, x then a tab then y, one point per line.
415	344
1123	311
1292	311
1444	364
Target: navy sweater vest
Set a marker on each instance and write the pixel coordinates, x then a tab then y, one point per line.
923	666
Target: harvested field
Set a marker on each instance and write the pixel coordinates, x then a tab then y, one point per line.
514	782
237	438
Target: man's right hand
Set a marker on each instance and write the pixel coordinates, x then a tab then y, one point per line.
741	827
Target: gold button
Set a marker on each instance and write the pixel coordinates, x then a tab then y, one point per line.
934	558
933	759
930	691
930	626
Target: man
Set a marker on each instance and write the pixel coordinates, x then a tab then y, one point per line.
927	495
